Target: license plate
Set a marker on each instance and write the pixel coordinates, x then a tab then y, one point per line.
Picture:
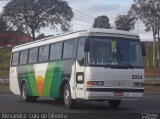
118	93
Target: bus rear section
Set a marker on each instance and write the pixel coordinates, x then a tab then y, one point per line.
113	70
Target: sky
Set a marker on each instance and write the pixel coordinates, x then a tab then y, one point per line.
86	10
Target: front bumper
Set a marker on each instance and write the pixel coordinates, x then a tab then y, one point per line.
111	93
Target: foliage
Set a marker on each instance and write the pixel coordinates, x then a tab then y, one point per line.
40	36
32	15
148	59
5	53
3	24
125	22
149	12
101	22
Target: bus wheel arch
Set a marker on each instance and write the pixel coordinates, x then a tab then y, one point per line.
65	89
68	101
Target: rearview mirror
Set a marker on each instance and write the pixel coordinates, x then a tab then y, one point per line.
143	49
87	45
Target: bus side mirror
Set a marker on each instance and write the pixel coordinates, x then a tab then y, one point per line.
143	48
87	45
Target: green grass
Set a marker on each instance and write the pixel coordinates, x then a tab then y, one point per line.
4	88
5	53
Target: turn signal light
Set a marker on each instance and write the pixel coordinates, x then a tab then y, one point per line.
89	83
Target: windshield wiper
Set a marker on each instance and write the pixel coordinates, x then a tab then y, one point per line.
118	66
130	66
110	66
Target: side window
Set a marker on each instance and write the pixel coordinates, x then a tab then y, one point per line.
80	51
15	58
68	49
23	57
56	51
43	53
33	53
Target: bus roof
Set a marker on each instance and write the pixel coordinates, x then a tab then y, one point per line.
69	35
110	31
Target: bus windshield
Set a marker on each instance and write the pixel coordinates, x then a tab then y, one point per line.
114	52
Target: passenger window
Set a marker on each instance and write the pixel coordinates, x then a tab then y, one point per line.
43	53
56	51
68	49
80	51
33	53
15	58
23	57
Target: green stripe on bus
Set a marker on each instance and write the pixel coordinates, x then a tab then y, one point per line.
32	80
48	79
26	78
23	75
56	79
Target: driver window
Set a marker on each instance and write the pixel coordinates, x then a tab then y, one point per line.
80	51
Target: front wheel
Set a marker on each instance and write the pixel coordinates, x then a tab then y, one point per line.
114	103
68	101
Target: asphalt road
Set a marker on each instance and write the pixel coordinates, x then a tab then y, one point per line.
12	103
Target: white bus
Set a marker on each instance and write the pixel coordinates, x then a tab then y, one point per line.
88	65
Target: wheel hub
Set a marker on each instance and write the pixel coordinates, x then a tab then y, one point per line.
24	93
67	96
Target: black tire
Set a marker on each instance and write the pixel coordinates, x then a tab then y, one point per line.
68	101
25	95
114	103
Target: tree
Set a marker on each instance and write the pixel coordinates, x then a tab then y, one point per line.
3	24
101	22
125	22
40	36
32	15
149	12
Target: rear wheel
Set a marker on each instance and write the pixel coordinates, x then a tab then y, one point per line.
25	95
114	103
68	101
